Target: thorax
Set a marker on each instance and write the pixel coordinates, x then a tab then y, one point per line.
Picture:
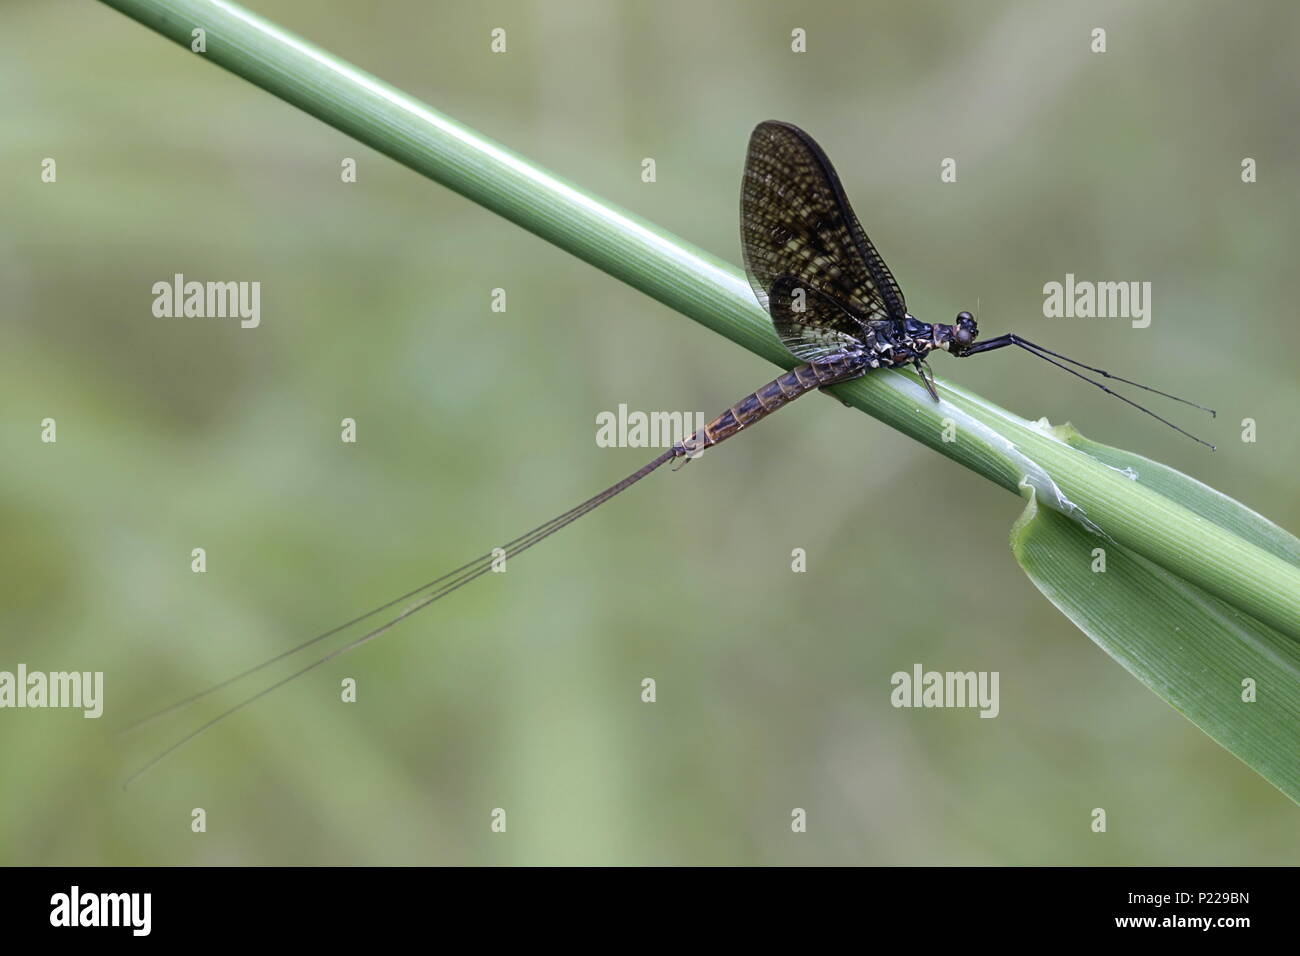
890	343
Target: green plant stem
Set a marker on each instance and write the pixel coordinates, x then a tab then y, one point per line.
990	441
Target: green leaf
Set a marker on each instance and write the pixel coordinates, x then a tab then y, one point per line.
1194	650
1227	513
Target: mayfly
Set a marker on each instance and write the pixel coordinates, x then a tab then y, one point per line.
834	305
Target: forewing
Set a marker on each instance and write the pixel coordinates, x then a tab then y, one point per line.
795	220
812	325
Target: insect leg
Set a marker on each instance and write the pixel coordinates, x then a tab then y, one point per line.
927	378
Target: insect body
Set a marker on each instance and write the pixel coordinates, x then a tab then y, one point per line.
834	305
831	297
833	301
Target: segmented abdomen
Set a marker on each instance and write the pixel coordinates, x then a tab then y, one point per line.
775	394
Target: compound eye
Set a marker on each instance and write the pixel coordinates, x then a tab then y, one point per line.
963	335
965	317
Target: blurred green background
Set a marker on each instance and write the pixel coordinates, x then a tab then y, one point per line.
522	692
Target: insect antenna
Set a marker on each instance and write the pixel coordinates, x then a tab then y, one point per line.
1105	374
441	587
1044	354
